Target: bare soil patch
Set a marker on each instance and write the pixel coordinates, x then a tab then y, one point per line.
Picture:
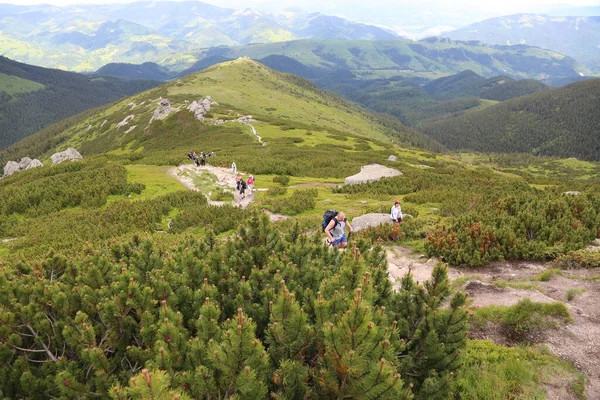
577	342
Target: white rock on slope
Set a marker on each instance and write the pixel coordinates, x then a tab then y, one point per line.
372	173
69	154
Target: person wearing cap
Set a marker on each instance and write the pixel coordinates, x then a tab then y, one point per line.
396	212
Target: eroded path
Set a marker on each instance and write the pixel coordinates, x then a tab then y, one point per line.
219	177
505	283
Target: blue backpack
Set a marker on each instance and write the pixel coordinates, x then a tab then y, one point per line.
327	217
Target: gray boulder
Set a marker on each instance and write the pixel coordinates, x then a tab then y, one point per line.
163	110
201	107
69	154
10	168
369	220
392	158
372	173
35	163
25	161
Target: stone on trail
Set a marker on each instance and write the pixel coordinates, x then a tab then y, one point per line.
372	173
69	154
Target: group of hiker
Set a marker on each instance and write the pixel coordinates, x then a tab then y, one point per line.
201	159
335	223
242	185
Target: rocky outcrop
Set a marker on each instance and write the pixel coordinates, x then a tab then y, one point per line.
125	121
372	173
246	119
201	107
197	109
163	110
35	163
10	168
369	220
69	154
26	163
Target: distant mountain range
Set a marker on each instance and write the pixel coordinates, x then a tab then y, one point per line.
85	37
429	58
32	98
559	122
577	37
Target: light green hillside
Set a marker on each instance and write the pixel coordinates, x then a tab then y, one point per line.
255	89
12	85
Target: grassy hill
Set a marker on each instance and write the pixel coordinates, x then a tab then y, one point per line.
115	278
560	122
288	108
32	98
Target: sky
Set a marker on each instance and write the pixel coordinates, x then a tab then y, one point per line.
504	6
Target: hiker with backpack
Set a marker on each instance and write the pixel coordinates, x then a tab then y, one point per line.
334	224
396	212
242	186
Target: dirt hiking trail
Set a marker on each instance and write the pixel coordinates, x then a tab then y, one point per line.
222	177
577	342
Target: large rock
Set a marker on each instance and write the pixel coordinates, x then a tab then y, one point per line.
369	220
201	107
372	173
10	168
35	163
163	110
25	161
69	154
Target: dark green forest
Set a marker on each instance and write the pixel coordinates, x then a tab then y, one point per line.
415	100
64	94
562	122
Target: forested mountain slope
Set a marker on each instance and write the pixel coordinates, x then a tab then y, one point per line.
415	100
32	98
430	58
561	122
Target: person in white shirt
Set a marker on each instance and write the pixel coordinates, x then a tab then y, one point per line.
396	213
